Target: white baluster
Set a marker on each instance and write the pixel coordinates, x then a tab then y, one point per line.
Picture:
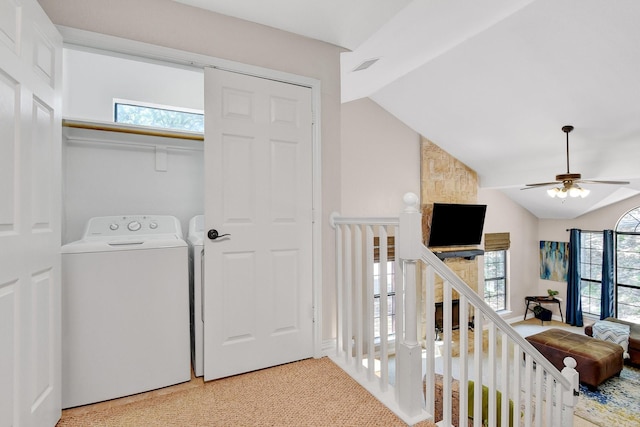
430	336
528	384
348	298
383	250
463	405
539	399
358	312
339	292
491	362
369	301
517	371
559	406
477	368
504	380
447	333
548	397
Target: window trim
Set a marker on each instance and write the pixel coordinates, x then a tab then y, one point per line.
589	279
497	278
154	105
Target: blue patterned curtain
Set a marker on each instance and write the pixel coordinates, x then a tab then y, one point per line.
606	300
574	302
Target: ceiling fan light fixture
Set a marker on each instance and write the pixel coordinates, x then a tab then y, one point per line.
558	192
575	191
569	189
584	193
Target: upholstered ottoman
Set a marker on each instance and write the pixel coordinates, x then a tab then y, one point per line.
596	360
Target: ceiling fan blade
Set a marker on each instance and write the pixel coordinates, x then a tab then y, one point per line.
595	181
567	180
541	184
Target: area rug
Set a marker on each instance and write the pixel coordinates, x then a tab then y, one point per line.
615	403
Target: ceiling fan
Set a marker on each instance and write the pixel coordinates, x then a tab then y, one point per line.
569	181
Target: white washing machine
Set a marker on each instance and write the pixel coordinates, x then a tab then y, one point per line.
195	239
125	309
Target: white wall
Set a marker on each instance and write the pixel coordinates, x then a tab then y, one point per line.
504	215
600	219
92	81
380	160
108	173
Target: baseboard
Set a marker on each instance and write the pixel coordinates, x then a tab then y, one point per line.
329	347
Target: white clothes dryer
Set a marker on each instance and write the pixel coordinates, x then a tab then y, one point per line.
195	239
125	309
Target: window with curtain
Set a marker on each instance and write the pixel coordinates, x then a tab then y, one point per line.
378	281
496	246
628	266
591	271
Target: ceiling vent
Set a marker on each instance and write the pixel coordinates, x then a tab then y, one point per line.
366	64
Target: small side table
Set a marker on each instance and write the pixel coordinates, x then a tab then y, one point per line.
542	300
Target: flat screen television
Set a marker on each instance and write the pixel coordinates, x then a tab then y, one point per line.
456	224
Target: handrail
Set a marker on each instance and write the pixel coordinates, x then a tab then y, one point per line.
431	259
336	219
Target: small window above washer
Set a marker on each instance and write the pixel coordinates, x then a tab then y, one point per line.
158	116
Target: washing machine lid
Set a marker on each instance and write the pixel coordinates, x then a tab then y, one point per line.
195	235
130	244
128	232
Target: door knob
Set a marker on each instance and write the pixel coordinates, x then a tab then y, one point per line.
213	234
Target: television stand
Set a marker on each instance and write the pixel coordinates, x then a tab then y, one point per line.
469	254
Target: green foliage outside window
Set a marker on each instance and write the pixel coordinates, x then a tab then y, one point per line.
159	118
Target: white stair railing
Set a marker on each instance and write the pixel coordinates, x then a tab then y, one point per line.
420	382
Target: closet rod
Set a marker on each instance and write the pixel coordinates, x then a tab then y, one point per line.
131	130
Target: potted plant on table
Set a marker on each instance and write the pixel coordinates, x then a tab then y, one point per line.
552	293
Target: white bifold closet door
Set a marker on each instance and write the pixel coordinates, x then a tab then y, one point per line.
30	135
258	309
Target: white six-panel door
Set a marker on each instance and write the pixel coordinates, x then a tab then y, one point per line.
30	134
258	172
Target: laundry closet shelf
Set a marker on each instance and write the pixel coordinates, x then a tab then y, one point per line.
134	135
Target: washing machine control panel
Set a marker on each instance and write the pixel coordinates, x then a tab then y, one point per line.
135	226
132	225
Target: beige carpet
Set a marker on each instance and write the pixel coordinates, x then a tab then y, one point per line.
312	392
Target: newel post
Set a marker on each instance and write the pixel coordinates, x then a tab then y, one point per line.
409	352
570	397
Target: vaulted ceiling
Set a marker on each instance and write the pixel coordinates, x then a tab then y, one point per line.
492	82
